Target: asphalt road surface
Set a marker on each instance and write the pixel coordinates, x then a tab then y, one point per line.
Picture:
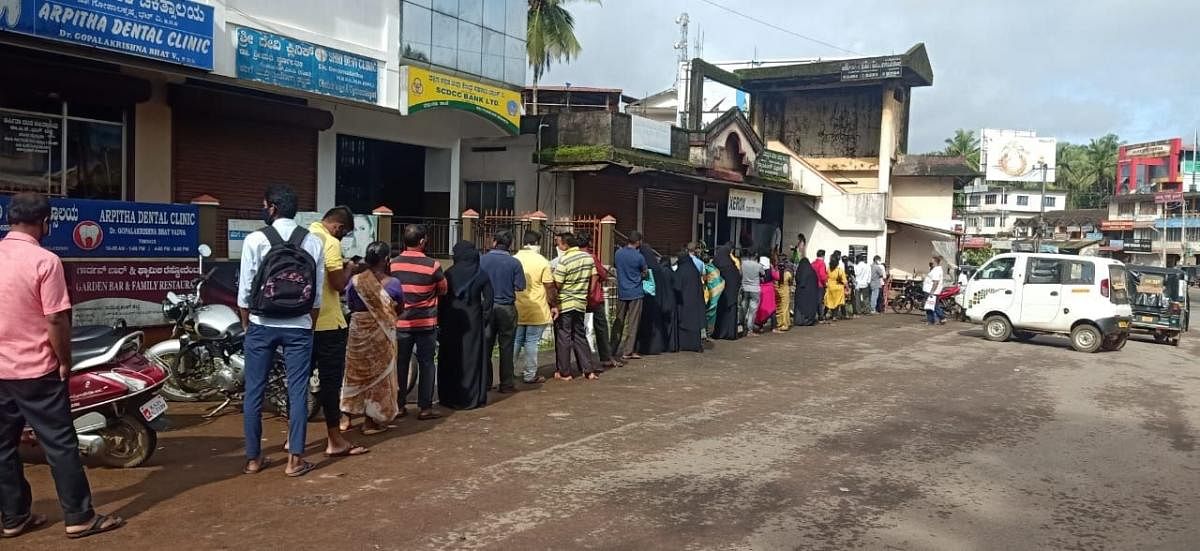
875	433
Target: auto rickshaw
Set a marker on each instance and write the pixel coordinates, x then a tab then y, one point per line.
1160	302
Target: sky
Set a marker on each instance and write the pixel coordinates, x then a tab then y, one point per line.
1071	69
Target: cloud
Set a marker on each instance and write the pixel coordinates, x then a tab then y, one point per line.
1072	69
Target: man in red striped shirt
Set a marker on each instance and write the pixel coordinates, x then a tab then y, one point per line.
423	282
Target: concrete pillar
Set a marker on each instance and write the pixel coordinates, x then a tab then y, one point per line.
207	206
607	245
889	127
537	223
470	223
384	217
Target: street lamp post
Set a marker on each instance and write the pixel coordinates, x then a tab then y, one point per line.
1041	229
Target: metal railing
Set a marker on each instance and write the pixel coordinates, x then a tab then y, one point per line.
440	233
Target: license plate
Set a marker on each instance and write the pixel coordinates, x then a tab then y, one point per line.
1122	324
1148	318
153	409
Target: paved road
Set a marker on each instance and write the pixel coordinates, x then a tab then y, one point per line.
875	433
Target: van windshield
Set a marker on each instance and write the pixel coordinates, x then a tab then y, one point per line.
1118	285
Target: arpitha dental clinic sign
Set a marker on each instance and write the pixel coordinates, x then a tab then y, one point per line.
174	31
82	228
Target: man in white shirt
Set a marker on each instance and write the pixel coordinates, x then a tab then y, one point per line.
934	313
862	287
266	332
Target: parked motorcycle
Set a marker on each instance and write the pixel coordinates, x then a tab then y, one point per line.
205	355
115	404
913	298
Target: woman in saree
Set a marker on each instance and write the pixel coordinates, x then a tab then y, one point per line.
714	286
835	291
783	288
375	299
463	369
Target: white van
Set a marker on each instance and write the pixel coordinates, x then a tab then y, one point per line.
1022	294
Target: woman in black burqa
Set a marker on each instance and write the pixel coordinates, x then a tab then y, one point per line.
463	374
808	295
727	307
689	293
653	337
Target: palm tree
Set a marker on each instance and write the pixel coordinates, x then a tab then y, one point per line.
964	144
550	37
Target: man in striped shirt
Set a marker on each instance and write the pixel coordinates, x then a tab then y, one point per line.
423	282
575	273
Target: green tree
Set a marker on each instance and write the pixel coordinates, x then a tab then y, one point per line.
1088	172
550	37
964	143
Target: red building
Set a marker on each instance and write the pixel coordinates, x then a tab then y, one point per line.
1149	167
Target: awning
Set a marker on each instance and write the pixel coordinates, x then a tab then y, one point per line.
923	227
576	168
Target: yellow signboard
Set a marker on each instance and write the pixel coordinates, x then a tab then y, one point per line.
425	89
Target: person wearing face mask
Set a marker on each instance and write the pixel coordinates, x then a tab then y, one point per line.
331	332
35	363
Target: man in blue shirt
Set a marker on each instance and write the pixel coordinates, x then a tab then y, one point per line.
507	279
631	270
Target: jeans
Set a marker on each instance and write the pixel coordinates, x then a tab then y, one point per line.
571	340
820	303
937	315
260	345
529	337
748	305
329	359
875	299
863	304
425	343
625	327
44	404
504	329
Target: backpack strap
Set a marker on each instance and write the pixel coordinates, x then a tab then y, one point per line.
272	235
298	235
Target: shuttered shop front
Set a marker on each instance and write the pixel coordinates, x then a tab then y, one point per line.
219	151
600	195
668	219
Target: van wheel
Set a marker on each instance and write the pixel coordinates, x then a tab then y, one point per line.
1161	338
997	328
1086	338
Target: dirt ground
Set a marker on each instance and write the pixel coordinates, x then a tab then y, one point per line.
875	433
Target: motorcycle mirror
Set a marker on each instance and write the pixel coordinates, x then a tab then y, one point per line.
172	297
205	251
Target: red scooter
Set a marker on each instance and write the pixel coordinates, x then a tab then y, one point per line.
114	397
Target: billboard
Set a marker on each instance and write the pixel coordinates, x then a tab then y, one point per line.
1016	156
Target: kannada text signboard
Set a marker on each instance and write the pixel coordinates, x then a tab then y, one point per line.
83	228
425	89
107	291
773	164
174	31
290	63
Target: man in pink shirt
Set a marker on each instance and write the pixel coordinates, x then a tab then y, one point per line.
35	363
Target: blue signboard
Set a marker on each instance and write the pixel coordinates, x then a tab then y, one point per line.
1177	222
175	31
283	61
82	228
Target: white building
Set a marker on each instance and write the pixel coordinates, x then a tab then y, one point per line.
991	210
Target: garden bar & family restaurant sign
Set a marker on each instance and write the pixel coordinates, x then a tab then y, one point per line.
173	31
425	89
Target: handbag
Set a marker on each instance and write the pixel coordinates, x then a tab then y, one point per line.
648	285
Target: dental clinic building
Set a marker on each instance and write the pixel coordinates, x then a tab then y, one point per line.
363	103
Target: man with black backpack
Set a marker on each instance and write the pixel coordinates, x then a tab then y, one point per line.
279	296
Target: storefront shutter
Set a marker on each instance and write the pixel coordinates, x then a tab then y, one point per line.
599	196
669	219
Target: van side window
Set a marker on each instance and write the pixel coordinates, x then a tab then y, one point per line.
1001	268
1078	273
1044	271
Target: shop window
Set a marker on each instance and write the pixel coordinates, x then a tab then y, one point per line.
1022	200
470	48
484	197
417	32
32	147
1049	201
989	199
493	15
477	37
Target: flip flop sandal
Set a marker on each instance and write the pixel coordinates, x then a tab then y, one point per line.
32	522
373	432
352	451
263	463
305	468
98	526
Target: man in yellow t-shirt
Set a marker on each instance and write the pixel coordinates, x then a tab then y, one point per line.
330	332
534	310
